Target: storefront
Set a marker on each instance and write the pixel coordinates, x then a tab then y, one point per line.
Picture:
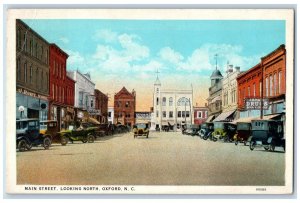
35	105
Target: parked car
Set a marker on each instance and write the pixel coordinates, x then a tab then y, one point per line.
224	131
80	134
121	129
243	132
267	134
28	135
206	130
192	130
141	129
50	127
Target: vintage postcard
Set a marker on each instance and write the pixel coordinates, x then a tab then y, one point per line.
145	101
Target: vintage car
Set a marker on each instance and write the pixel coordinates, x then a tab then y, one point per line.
119	128
28	135
192	130
267	134
141	129
243	132
50	127
206	130
80	134
224	131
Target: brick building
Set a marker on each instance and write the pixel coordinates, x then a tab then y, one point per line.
32	73
101	103
124	107
200	114
61	106
273	67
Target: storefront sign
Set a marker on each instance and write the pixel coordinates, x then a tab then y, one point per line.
95	112
255	103
31	94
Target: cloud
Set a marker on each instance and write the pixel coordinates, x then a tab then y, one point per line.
75	60
64	40
170	55
106	35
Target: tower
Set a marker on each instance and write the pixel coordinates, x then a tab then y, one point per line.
157	101
216	76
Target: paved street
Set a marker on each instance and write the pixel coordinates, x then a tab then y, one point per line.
163	159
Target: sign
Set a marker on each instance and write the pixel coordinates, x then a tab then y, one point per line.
31	94
94	112
255	103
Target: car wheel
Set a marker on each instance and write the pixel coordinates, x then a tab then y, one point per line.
90	138
252	145
272	147
22	145
64	140
266	148
47	143
29	146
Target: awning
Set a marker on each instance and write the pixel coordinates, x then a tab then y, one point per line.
217	98
210	118
224	116
93	120
249	119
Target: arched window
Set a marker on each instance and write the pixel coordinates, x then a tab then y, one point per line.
171	101
164	100
183	102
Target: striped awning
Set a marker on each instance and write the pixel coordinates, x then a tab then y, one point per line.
224	116
210	118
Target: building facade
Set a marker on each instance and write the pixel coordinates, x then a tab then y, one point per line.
215	95
124	107
143	117
171	107
200	114
110	115
32	73
229	95
84	100
272	72
101	104
61	97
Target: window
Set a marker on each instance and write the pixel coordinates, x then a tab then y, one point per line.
80	98
92	103
53	96
164	100
187	113
42	52
25	72
179	114
157	114
170	114
171	101
157	90
260	88
120	115
127	104
127	115
267	86
279	82
119	103
31	47
254	91
36	49
157	101
183	102
63	95
248	91
47	52
30	74
25	42
271	85
164	114
183	114
199	114
36	75
18	69
275	84
47	82
19	38
109	114
42	79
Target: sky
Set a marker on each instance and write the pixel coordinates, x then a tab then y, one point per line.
128	53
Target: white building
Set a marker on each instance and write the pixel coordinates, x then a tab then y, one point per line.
110	116
229	94
84	90
171	107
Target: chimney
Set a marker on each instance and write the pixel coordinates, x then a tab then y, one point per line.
237	68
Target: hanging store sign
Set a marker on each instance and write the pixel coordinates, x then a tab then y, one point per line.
94	112
255	104
31	94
